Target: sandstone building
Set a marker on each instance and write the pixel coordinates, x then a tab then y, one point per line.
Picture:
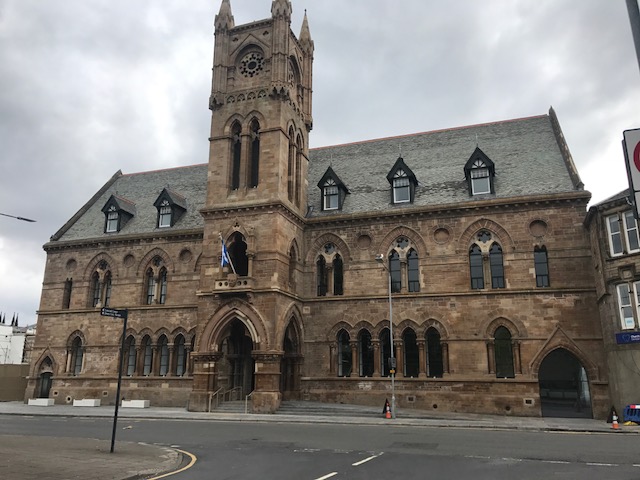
480	230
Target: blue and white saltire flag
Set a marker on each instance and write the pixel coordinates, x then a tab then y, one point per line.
226	259
225	256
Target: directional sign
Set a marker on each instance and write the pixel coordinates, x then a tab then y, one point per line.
631	146
114	312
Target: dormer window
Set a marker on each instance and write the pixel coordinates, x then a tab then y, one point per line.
170	207
330	195
479	172
164	214
112	219
480	181
117	212
403	182
401	191
333	191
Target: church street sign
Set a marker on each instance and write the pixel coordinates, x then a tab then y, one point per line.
113	312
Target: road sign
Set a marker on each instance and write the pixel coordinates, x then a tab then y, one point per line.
114	312
631	147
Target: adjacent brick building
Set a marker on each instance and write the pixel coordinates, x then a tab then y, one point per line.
479	231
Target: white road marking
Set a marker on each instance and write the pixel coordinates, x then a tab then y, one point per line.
327	476
592	464
365	460
561	462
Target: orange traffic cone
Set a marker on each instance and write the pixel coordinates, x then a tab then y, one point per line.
388	412
614	422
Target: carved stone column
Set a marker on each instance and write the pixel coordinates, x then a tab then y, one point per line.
376	358
422	358
204	380
332	360
266	397
355	367
139	361
445	358
516	357
155	363
171	367
399	355
491	357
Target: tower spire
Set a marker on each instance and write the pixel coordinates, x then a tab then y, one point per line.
224	18
305	34
281	8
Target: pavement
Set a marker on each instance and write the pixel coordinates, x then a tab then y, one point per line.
31	457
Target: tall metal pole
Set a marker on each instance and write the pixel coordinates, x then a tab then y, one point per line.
634	18
392	368
120	357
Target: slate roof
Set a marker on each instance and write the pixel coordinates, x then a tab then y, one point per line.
527	156
143	189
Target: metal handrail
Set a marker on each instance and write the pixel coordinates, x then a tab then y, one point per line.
246	402
214	394
229	395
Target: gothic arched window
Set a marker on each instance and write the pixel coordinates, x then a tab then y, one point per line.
475	265
344	354
163	348
321	275
435	363
338	287
496	265
541	264
411	354
254	128
365	354
503	353
130	359
147	351
77	356
236	151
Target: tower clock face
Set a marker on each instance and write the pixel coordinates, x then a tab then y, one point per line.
251	64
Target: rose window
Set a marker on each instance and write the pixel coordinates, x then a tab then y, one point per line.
251	64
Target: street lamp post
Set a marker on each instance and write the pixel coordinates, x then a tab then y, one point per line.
392	359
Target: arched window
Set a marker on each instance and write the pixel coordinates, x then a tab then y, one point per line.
291	165
77	356
385	352
365	354
503	353
66	296
255	153
344	354
475	265
238	254
151	287
435	364
401	187
163	286
395	271
147	350
130	359
293	260
497	268
95	289
411	354
299	148
181	356
236	150
541	264
321	275
337	275
163	348
413	271
107	289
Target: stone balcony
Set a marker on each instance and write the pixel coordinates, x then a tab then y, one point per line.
233	284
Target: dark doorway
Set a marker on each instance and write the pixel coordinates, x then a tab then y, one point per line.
290	365
237	372
564	386
44	384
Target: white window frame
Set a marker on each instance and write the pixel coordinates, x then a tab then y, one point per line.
480	178
401	184
626	305
112	219
331	195
164	214
611	235
631	231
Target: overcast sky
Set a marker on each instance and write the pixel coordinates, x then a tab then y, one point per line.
88	87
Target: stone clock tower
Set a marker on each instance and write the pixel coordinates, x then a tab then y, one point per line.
249	312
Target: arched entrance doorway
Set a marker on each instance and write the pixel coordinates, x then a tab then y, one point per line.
564	386
45	374
290	364
237	365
